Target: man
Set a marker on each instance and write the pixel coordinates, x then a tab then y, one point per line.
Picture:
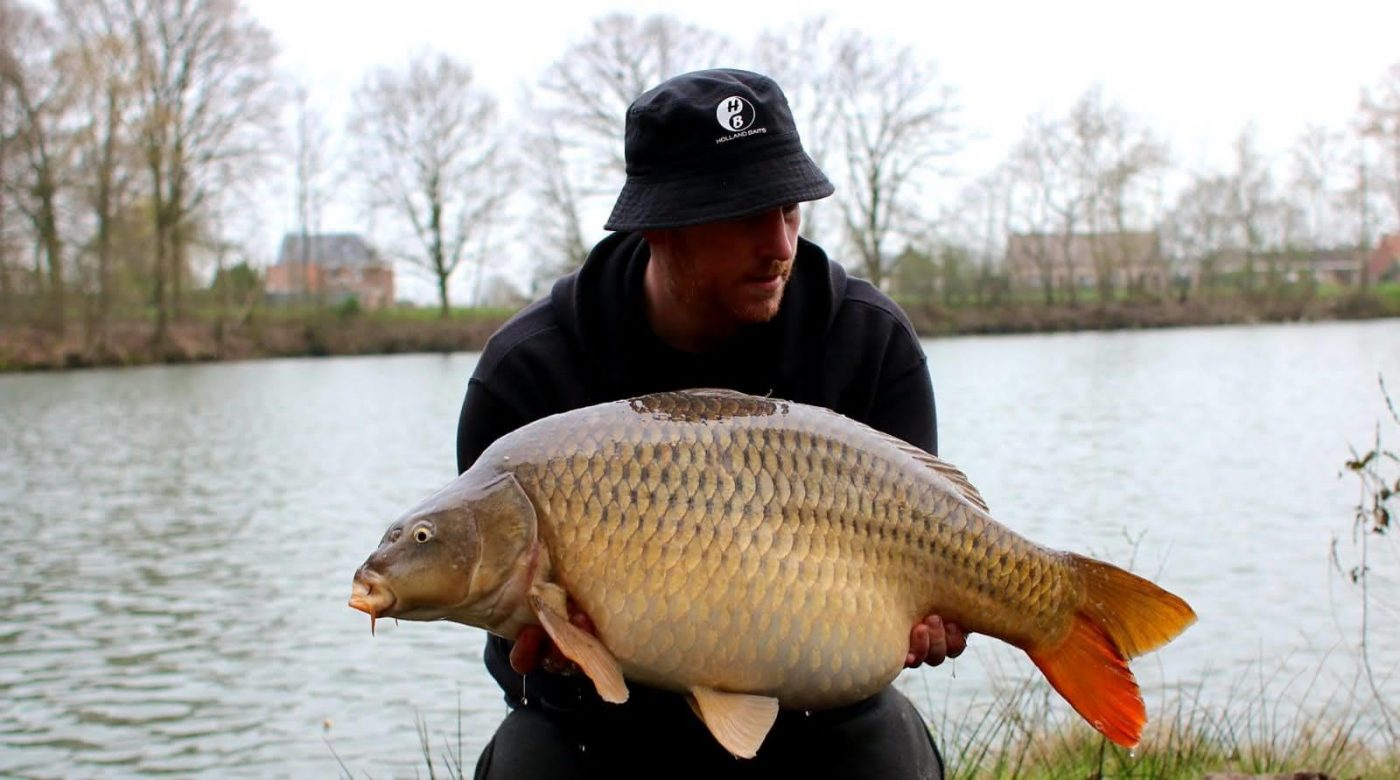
705	284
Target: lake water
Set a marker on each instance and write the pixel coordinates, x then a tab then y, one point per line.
179	541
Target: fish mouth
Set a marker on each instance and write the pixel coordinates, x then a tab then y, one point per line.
371	598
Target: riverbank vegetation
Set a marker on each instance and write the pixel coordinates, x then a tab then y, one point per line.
140	142
214	331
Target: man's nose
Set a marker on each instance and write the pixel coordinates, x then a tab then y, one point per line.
775	240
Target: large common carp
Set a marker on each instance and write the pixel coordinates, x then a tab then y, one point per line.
753	553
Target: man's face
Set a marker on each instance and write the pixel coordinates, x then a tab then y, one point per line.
729	273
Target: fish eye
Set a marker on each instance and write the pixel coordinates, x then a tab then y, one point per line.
422	534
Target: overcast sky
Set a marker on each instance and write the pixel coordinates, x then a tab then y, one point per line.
1195	71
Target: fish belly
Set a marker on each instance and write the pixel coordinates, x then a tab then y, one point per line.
714	606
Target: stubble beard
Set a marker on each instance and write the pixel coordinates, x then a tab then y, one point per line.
764	310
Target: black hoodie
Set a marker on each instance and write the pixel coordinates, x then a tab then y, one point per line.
836	342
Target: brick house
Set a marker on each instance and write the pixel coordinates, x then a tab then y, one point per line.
1128	260
1335	265
1385	259
332	266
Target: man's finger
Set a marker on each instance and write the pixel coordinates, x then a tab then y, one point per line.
918	646
526	654
956	639
937	641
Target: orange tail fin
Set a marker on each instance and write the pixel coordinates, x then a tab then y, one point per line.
1122	616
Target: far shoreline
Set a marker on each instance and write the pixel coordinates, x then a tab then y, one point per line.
267	335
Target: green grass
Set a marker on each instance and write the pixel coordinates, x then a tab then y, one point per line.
1389	293
1026	732
202	306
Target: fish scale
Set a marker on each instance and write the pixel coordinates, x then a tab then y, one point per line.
726	544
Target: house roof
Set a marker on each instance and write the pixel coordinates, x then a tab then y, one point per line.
328	250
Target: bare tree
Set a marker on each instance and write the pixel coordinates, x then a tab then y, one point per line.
1114	158
36	96
1200	229
10	264
1048	205
1360	200
575	160
1315	183
1089	185
1254	206
101	66
553	168
206	111
1380	124
310	171
428	147
895	121
589	88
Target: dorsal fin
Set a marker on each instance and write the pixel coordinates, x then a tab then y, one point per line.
943	468
950	472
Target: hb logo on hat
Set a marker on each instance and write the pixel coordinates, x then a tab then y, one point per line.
734	113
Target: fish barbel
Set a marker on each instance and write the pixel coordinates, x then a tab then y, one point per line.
753	554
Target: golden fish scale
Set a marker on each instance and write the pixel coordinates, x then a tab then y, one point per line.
752	545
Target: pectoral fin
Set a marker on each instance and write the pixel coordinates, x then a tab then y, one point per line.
551	605
738	721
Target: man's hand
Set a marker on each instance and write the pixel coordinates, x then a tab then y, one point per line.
933	641
534	650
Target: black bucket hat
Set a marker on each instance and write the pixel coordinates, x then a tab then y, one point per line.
709	146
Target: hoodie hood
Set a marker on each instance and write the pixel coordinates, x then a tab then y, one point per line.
604	304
